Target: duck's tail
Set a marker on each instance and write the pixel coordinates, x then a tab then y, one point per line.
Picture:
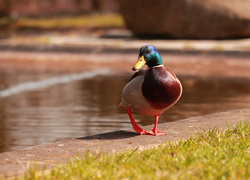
122	104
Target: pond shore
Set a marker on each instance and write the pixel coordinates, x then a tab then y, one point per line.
17	162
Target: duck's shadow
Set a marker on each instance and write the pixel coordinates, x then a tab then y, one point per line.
111	135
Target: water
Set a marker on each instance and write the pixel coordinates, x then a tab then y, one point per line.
42	107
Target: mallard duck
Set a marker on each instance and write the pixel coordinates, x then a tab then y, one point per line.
150	91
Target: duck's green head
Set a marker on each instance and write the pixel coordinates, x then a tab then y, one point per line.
149	56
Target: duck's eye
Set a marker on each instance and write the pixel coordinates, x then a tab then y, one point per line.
149	51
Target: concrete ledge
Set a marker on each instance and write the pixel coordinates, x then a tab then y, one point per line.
17	162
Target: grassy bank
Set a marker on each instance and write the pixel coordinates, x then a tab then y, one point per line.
61	22
212	154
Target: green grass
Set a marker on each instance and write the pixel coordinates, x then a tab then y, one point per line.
211	154
5	21
218	48
95	20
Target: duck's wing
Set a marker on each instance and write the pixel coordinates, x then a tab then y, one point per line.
141	72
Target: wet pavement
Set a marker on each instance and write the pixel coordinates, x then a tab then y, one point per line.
19	161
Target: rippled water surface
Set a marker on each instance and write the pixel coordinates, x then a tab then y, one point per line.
88	103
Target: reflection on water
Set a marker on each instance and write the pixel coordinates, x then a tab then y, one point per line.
90	106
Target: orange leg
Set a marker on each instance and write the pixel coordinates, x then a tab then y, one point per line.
154	130
136	127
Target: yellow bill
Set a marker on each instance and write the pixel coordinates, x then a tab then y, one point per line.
141	61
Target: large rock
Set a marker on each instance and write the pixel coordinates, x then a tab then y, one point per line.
198	19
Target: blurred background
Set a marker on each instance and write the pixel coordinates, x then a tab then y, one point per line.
67	16
188	19
63	63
